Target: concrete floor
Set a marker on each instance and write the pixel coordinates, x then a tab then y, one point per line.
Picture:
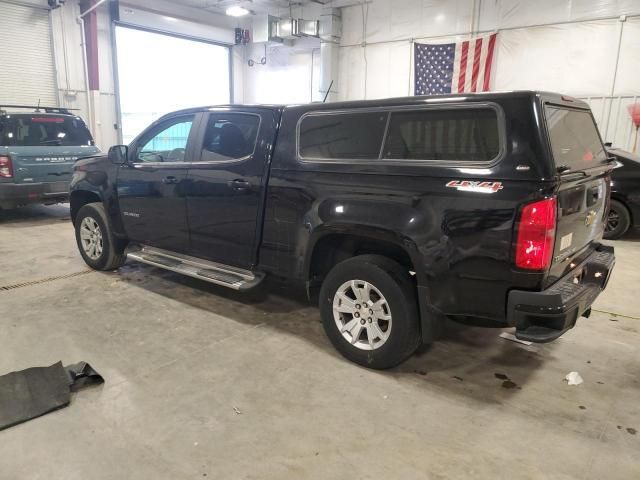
201	381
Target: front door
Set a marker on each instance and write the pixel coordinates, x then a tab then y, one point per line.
151	185
226	184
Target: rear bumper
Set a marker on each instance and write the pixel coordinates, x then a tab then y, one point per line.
15	194
544	316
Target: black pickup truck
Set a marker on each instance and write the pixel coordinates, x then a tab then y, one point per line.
393	213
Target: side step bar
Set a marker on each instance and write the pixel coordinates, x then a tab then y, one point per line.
225	275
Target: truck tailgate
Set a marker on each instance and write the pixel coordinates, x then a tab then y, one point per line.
584	188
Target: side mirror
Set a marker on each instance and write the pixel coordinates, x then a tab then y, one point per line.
119	154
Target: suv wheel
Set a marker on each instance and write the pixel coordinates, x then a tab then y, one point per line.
618	221
95	240
369	311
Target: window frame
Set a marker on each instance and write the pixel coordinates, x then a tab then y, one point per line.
501	124
205	124
547	131
159	128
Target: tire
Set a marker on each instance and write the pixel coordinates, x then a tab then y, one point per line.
618	221
92	228
388	283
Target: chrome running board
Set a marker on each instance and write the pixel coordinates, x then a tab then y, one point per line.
212	272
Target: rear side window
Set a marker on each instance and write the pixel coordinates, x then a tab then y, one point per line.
346	136
464	135
42	129
575	142
230	136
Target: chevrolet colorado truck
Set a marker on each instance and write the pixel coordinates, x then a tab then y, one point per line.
393	213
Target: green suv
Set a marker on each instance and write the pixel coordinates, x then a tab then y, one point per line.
37	151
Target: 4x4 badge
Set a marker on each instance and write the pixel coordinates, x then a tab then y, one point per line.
471	186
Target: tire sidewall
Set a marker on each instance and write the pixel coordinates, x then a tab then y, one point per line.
107	247
404	338
624	223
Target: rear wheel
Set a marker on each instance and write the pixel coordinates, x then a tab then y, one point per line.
618	221
96	242
369	311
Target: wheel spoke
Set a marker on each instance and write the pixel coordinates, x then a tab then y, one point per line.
347	327
370	336
356	290
374	329
377	306
345	304
365	294
355	332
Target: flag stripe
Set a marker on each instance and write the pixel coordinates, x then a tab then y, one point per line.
487	67
463	66
459	67
476	64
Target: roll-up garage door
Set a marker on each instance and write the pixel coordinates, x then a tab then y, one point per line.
27	73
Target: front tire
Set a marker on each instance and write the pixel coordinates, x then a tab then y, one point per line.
618	221
369	311
95	240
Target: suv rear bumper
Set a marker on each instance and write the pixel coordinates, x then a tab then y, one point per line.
16	194
544	316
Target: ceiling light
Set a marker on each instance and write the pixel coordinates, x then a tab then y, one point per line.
237	11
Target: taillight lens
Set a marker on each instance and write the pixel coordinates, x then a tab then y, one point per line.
6	167
536	234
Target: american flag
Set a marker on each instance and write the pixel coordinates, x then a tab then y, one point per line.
454	67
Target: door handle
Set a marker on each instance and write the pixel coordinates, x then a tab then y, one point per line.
170	180
239	185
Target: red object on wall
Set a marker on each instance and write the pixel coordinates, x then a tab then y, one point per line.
634	111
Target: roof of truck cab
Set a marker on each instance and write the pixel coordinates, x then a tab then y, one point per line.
412	100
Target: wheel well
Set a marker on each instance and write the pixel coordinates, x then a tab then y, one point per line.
80	198
334	248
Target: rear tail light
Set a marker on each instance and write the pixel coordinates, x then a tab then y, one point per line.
536	233
6	167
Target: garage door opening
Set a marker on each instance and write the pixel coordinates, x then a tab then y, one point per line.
159	73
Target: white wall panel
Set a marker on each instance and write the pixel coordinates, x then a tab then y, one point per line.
573	58
519	13
405	19
352	68
286	78
388	70
628	79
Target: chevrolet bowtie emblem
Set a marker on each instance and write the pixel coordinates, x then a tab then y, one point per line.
590	218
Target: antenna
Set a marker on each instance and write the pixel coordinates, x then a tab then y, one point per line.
38	107
327	94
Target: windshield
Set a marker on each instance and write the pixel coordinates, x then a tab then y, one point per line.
43	129
575	142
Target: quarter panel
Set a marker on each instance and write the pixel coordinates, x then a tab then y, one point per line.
459	237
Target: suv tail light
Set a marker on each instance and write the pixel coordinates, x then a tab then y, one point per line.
6	167
536	233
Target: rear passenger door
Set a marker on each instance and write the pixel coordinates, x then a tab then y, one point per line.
226	183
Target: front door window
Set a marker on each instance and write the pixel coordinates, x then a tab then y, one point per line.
167	145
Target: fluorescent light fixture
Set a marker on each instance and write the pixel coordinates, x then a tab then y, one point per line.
237	11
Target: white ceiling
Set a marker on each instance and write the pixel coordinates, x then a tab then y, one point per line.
274	7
